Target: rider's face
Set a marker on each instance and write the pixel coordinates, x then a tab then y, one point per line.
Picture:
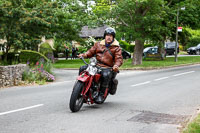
109	38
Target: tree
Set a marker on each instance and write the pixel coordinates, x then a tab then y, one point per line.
71	17
24	22
140	19
188	18
153	20
191	15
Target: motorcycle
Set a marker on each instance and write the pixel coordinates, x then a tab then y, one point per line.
87	87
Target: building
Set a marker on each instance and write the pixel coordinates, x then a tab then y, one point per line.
96	33
2	41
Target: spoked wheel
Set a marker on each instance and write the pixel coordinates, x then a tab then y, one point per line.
76	100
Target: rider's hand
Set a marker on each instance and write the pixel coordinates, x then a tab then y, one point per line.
81	55
115	68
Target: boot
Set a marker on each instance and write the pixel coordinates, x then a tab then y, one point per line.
100	97
113	88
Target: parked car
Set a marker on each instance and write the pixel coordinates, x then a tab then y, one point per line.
126	54
194	50
150	50
170	48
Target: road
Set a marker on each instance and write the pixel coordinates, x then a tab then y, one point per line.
156	101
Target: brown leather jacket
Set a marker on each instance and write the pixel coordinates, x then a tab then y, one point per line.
104	58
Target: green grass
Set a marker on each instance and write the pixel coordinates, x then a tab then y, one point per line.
194	126
69	63
163	63
127	63
183	53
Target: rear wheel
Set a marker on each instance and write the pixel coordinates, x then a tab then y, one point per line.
76	100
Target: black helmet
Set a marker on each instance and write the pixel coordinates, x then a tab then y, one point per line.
110	31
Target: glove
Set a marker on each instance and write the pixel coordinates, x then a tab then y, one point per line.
82	55
115	68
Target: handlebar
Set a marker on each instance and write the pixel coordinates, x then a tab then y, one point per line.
82	58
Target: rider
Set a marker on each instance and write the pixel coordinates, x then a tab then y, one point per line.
108	54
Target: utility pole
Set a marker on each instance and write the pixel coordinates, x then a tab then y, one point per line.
176	46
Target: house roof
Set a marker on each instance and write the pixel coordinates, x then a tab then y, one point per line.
93	32
2	41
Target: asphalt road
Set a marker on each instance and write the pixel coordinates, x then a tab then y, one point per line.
156	101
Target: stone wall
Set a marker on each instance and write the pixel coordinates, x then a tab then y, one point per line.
11	75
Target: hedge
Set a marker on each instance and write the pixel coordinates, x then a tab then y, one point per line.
31	56
128	47
45	48
25	56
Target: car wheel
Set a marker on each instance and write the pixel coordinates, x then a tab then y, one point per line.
127	57
198	52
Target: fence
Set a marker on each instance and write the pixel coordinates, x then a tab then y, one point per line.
11	75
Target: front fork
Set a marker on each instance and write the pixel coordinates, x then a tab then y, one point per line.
106	93
84	77
86	89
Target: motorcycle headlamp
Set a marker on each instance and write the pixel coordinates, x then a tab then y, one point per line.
93	61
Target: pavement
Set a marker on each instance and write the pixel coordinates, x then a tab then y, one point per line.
156	101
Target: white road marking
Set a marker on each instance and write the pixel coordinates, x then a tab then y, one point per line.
161	78
22	109
141	84
183	73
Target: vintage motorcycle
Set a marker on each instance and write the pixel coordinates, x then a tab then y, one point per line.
87	87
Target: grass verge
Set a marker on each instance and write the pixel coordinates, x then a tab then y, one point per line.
194	126
69	63
168	62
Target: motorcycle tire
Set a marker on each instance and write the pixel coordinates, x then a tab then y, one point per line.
76	100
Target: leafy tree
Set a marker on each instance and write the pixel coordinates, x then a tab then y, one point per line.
191	15
149	20
140	20
71	16
188	18
24	22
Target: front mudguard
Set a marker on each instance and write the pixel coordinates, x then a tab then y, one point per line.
83	77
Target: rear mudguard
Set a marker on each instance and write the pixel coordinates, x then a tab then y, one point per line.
83	77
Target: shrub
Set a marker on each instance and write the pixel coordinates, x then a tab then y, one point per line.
40	73
82	49
193	42
181	47
31	57
25	56
126	46
149	45
89	42
46	50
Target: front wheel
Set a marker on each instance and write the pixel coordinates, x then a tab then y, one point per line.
198	52
76	100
